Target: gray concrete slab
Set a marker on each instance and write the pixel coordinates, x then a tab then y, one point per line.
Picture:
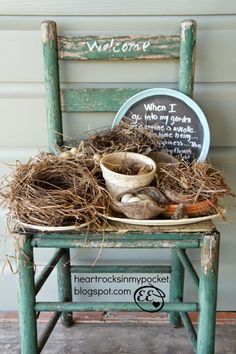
107	338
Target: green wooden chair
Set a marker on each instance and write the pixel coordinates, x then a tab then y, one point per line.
201	236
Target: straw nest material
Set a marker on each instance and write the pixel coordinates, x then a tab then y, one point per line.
122	137
54	191
192	183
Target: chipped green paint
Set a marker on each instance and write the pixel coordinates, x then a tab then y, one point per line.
64	286
51	80
47	331
123	234
176	286
26	296
208	294
187	57
79	243
207	291
95	100
112	306
188	266
188	325
118	48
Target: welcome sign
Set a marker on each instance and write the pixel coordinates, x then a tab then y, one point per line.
118	47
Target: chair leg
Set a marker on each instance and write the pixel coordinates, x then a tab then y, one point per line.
208	294
26	297
176	286
64	286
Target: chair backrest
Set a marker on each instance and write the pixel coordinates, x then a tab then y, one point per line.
56	48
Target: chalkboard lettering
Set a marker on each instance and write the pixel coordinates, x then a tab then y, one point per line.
172	120
153	107
172	105
176	119
117	47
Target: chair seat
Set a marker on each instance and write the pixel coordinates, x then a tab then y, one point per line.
119	235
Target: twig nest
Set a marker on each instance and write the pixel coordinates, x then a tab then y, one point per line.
140	203
53	191
189	184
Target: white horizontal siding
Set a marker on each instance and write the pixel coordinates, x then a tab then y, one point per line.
23	122
118	24
121	7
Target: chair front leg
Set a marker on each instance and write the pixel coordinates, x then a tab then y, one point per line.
26	296
208	294
64	286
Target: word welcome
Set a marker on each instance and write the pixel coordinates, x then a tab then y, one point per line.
117	47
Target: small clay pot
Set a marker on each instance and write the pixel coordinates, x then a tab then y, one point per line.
118	183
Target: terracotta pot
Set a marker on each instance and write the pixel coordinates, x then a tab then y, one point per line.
118	183
202	208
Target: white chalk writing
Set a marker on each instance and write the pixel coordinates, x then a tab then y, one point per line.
117	46
179	131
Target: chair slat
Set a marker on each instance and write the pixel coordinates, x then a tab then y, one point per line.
95	100
122	47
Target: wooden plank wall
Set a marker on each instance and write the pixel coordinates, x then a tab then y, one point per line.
22	102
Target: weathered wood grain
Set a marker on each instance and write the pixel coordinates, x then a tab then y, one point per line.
95	100
26	296
64	286
176	286
52	84
187	57
208	294
112	306
117	48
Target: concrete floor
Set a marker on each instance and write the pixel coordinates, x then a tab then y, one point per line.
108	338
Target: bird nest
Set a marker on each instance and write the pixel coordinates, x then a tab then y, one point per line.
52	191
69	189
191	183
121	138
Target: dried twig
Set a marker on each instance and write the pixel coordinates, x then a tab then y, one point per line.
54	191
191	183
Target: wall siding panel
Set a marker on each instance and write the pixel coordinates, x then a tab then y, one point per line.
121	7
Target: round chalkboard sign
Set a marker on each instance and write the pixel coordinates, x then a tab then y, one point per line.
174	117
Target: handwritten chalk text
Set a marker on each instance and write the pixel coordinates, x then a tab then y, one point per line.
117	47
